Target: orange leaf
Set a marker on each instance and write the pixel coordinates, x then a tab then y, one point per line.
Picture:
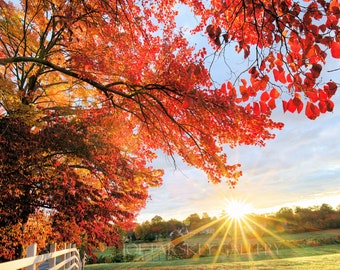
271	103
274	93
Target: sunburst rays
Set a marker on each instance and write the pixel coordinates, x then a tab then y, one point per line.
235	238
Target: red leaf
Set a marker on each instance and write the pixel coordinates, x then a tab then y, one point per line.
263	65
264	96
256	108
282	77
335	49
284	105
323	95
289	78
330	88
252	70
246	50
244	81
223	88
229	85
312	111
291	107
313	95
298	103
185	104
331	21
244	92
264	107
276	74
330	105
316	69
322	106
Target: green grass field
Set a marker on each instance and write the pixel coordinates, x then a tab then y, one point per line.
308	261
298	257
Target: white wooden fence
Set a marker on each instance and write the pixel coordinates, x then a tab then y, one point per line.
69	259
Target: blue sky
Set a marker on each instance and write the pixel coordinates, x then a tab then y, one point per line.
300	167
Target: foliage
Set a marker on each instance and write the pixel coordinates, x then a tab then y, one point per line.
291	42
87	86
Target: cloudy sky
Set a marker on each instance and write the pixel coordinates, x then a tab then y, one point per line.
300	167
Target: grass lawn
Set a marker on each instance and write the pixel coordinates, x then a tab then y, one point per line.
311	258
278	237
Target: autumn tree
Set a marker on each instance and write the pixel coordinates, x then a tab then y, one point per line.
89	90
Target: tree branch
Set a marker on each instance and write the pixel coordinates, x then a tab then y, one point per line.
103	88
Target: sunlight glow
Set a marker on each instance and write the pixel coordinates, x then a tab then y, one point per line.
237	236
238	209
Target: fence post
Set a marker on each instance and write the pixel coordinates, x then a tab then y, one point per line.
31	251
68	255
52	261
63	257
73	254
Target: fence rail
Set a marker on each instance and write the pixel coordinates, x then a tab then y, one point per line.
69	259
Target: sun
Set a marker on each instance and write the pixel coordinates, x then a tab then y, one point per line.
237	209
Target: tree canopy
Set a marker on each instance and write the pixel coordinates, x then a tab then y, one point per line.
89	90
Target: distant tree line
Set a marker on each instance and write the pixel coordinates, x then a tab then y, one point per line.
286	220
308	219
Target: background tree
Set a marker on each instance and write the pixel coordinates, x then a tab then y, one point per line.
174	225
87	86
194	222
159	227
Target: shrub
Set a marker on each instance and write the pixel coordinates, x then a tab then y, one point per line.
129	257
118	258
